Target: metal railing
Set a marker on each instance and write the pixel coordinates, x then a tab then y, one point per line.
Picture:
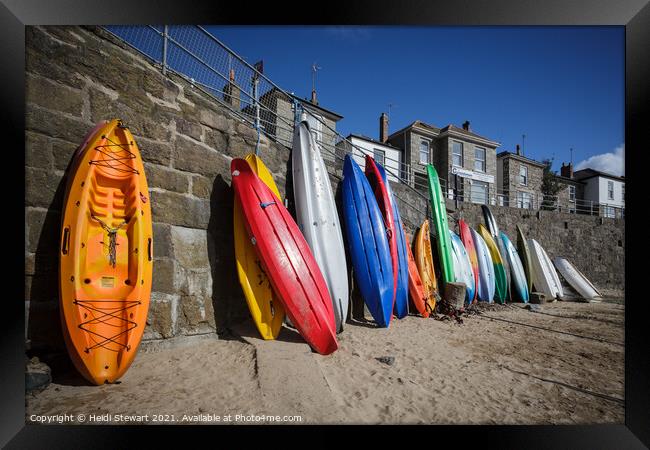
194	54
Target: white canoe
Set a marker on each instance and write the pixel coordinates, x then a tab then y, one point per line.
317	217
486	277
576	279
462	266
545	277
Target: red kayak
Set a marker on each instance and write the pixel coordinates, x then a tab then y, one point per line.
468	242
416	288
383	200
286	259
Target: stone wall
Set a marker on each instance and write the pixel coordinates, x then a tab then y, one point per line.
76	76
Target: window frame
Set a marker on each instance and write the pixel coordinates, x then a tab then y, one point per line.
484	160
375	150
520	200
525	179
610	194
428	143
487	192
453	154
572	193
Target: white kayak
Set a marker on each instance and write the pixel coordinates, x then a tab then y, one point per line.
317	217
462	266
545	277
486	277
576	279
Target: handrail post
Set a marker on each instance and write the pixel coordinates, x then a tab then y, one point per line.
164	55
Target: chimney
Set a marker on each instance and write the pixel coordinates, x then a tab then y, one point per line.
231	92
518	150
466	125
383	128
567	170
314	100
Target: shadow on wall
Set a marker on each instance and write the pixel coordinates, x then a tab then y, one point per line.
44	327
227	300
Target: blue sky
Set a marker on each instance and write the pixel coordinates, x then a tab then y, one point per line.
562	87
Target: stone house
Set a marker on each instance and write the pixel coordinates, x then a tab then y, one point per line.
277	118
465	161
520	180
571	197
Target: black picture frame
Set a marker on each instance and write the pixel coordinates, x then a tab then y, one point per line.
634	15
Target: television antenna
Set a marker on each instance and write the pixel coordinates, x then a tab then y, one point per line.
314	68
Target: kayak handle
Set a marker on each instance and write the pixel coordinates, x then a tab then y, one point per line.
149	249
66	241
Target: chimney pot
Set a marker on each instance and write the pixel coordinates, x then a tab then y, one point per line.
466	125
567	170
314	100
383	128
518	150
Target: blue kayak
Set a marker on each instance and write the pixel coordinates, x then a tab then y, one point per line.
367	243
519	283
401	308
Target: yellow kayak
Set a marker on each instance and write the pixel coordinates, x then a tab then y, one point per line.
424	262
265	308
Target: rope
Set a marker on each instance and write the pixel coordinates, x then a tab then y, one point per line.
107	313
112	239
112	157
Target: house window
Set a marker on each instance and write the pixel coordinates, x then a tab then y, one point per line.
610	190
608	211
424	151
524	200
572	193
380	156
457	153
479	159
623	193
479	192
523	175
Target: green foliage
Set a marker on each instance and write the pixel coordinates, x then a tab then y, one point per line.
550	185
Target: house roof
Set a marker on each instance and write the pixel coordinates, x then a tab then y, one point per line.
275	91
416	123
590	173
374	141
447	129
456	129
562	179
507	154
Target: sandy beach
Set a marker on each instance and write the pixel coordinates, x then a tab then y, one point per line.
562	364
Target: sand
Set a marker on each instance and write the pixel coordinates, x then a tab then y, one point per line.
506	365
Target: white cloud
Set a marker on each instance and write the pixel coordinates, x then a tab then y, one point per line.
611	162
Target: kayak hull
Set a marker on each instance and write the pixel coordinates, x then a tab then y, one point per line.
367	243
318	219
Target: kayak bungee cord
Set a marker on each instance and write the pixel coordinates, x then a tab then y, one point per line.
111	155
106	314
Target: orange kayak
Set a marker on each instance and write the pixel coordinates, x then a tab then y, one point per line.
106	254
424	262
416	288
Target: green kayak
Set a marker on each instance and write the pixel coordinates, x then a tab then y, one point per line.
443	241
